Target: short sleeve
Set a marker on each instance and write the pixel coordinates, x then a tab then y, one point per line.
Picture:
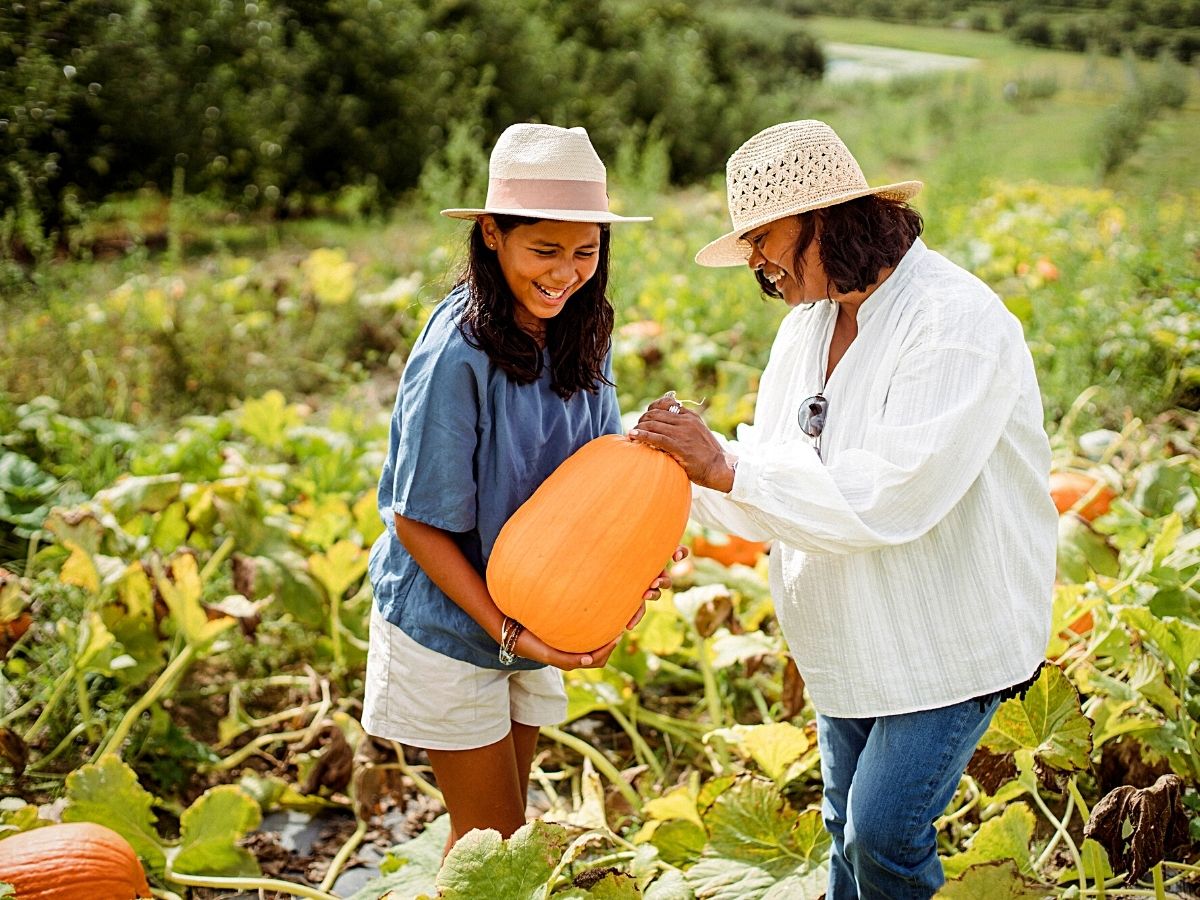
434	429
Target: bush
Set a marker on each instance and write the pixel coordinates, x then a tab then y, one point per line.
269	106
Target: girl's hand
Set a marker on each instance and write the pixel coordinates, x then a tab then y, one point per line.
684	435
663	580
530	646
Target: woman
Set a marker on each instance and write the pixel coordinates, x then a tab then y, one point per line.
511	375
899	463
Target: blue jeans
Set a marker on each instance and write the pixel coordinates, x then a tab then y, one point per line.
887	779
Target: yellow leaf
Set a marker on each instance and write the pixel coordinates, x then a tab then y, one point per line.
80	570
677	804
776	746
339	567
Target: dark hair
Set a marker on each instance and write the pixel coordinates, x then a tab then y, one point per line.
859	239
578	338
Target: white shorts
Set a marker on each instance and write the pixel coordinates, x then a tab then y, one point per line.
422	698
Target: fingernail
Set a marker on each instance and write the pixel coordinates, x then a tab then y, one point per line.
586	660
633	432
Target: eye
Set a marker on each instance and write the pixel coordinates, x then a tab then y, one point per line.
586	254
543	252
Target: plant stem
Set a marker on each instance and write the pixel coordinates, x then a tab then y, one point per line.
599	760
335	867
215	561
1058	827
420	783
639	743
250	884
1067	811
1160	891
62	745
85	708
236	759
165	679
51	704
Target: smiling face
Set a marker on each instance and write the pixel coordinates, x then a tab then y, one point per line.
544	264
798	277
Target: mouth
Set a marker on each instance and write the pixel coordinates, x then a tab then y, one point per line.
552	295
775	276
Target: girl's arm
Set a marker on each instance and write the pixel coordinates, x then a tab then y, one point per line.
447	567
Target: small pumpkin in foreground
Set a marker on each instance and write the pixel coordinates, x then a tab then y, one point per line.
1068	488
72	861
572	563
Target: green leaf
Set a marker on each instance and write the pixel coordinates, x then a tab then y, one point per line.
753	823
1081	551
135	494
1048	721
679	841
660	632
482	864
1000	880
209	830
7	890
1176	640
338	568
590	690
268	418
108	793
1005	837
613	886
670	886
411	867
716	878
170	528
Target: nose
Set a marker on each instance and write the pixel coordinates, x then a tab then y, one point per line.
756	260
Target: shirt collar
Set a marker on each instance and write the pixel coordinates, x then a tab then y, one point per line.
895	283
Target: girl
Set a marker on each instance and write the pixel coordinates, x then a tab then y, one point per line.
512	374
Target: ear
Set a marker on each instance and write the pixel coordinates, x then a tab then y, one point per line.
491	232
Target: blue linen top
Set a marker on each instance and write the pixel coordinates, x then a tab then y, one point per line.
467	447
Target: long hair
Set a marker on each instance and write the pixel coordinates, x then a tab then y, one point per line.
577	338
859	239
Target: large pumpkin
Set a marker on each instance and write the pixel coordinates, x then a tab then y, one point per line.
72	861
572	563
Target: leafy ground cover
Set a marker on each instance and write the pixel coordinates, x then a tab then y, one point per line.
189	442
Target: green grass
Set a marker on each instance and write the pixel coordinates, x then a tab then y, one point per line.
960	129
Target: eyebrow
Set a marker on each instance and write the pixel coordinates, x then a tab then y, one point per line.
591	245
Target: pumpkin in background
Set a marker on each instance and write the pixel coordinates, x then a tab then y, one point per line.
72	861
573	562
1068	488
730	551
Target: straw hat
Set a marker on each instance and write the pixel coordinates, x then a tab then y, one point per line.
784	171
546	172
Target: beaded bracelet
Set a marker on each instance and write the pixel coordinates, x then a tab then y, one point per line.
510	630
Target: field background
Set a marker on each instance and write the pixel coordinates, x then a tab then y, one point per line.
195	379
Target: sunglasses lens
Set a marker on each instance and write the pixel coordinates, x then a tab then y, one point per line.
812	415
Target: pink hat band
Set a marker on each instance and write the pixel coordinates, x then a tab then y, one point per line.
546	193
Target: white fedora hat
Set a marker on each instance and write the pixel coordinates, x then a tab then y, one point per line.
546	172
786	170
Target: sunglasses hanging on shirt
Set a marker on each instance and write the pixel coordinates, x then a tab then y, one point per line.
811	418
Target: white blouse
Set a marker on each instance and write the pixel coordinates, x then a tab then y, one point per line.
914	558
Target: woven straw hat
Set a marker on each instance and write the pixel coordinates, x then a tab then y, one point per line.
546	172
786	170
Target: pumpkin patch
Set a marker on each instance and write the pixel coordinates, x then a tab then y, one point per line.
1069	488
572	563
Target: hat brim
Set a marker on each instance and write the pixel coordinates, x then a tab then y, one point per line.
557	215
731	250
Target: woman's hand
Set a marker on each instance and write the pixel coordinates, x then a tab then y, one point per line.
684	435
530	646
660	582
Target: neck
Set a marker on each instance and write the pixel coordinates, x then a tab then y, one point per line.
848	304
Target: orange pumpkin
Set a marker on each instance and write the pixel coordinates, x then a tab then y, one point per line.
733	550
72	861
572	563
1068	488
